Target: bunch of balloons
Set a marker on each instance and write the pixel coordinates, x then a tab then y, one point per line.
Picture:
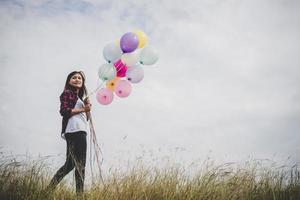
125	59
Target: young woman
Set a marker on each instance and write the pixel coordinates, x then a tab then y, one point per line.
74	110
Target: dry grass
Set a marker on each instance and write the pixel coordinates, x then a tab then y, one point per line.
253	180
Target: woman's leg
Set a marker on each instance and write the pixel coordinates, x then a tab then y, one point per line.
68	166
80	161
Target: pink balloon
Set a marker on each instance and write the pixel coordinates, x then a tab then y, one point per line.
105	96
121	68
123	88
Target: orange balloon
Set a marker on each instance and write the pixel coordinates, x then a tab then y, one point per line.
112	83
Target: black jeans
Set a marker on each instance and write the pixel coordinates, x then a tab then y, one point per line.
76	157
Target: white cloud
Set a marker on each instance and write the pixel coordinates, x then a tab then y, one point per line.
227	79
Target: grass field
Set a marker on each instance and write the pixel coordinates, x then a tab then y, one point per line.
252	180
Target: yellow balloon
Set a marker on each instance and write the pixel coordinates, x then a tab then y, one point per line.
117	42
112	83
143	39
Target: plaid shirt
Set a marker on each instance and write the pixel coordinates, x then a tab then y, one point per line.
68	101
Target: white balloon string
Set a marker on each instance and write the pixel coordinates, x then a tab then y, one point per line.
94	91
97	150
93	138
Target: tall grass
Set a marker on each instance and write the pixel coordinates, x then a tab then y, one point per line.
252	180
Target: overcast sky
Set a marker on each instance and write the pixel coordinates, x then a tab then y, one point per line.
226	84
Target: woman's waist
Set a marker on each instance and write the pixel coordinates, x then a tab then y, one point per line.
79	117
69	135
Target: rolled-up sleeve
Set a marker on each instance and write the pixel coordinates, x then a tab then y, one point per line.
65	109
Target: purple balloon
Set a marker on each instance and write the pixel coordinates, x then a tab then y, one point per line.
129	42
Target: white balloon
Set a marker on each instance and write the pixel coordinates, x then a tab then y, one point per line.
135	74
131	59
149	56
112	52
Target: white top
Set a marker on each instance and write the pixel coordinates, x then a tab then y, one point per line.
77	122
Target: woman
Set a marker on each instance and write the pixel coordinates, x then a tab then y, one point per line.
74	111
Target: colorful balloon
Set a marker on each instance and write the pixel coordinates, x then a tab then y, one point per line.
148	56
123	88
131	59
135	74
124	57
121	68
104	96
112	83
107	72
112	52
143	39
129	42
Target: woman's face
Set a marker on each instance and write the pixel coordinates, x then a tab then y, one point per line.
76	81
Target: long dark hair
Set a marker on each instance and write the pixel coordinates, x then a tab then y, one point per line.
82	90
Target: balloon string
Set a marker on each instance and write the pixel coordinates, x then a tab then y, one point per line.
93	92
97	150
93	138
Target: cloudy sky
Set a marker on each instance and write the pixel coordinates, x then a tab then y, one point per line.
226	84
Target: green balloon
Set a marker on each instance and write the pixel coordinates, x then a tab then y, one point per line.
149	56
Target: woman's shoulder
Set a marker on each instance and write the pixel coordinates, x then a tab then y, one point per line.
68	92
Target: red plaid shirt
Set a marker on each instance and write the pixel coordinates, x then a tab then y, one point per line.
68	100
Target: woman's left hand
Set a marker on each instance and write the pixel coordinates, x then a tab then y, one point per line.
86	100
88	104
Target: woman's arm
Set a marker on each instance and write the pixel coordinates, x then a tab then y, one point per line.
76	111
86	108
65	110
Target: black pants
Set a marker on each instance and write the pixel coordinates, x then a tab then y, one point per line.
76	157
